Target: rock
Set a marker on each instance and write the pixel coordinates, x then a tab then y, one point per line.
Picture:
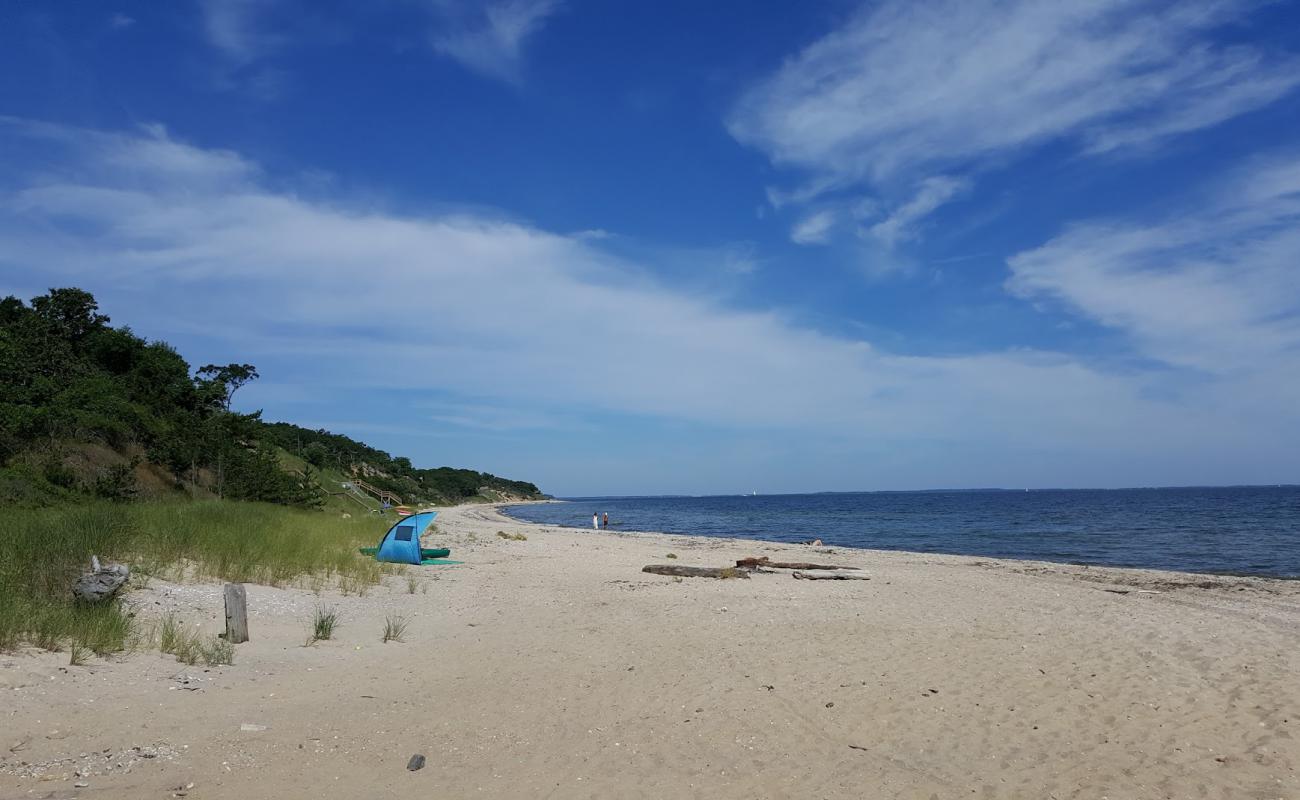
101	583
416	763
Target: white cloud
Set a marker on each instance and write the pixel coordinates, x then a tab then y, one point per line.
814	228
120	21
498	314
1216	287
901	224
488	37
905	89
233	27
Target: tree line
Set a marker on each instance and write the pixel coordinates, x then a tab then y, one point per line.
68	377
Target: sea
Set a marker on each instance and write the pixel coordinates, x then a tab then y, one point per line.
1231	531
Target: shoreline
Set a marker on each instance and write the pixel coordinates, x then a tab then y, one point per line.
552	666
738	541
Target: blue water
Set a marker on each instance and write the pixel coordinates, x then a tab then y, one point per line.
1239	530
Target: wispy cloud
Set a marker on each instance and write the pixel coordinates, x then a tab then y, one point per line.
814	228
247	35
905	90
489	37
901	223
1216	288
504	315
120	21
235	28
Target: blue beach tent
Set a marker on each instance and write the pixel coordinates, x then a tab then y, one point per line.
401	544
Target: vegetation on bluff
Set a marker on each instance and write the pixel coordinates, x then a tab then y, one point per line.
87	408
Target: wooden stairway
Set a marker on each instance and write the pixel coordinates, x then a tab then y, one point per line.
382	495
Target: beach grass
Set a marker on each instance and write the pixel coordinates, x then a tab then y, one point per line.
323	622
43	550
394	629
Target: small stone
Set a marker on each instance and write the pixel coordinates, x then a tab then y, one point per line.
830	705
416	763
81	784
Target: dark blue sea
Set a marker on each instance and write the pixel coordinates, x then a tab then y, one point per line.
1236	531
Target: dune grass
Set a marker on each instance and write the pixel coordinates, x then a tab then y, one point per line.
394	629
42	551
323	622
190	647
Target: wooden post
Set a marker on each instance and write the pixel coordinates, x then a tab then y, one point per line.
236	613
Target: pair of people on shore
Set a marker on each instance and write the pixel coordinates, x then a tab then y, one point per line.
596	522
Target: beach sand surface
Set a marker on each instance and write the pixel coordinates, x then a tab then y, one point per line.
555	668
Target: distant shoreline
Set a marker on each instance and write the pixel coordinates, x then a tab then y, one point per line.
503	510
981	490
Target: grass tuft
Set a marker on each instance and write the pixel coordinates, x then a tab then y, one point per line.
217	651
169	633
78	655
324	620
514	537
412	583
394	629
671	555
191	648
47	639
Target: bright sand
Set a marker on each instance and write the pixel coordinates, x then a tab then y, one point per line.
554	667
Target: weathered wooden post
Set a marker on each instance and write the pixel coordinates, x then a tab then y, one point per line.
236	613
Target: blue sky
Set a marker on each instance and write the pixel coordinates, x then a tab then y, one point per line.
682	247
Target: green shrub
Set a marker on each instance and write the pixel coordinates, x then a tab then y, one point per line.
116	482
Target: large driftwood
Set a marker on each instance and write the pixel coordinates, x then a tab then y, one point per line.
764	561
101	583
831	576
695	572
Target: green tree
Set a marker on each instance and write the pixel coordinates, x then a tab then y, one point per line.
228	379
71	313
316	454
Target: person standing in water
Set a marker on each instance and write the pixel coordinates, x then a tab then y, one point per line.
595	520
606	522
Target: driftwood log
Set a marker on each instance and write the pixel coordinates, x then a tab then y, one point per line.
831	576
695	572
101	583
765	562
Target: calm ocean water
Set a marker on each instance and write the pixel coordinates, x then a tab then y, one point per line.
1239	530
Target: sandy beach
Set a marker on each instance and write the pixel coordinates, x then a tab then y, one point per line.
553	667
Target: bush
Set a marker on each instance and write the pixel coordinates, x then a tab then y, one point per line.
117	482
60	475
